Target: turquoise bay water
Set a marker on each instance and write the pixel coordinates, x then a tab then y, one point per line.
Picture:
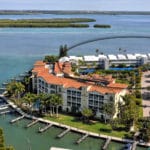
20	47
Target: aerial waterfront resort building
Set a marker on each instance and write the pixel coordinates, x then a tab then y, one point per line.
78	92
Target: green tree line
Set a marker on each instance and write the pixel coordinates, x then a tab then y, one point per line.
62	22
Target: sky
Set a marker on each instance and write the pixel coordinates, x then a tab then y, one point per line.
100	5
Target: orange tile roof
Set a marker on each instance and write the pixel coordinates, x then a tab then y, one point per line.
38	66
72	83
58	67
97	77
118	85
39	63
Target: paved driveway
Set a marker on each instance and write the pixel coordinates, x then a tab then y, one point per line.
145	93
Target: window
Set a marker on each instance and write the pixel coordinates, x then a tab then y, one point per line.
53	92
46	84
68	92
73	93
95	97
95	103
78	105
78	100
53	86
91	96
59	89
79	94
69	98
69	103
73	99
46	90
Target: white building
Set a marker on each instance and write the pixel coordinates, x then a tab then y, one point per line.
106	61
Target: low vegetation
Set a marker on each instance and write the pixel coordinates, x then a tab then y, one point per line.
2	142
102	26
57	23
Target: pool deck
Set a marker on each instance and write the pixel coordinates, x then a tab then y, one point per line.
69	127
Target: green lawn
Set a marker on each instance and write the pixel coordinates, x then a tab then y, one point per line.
94	127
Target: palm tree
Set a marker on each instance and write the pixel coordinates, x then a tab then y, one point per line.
56	101
63	51
108	109
86	113
11	88
29	98
15	88
43	101
20	88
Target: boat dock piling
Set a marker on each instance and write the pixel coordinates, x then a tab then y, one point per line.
82	138
32	123
106	143
134	145
17	119
63	133
45	128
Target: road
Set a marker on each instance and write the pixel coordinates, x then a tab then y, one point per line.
146	94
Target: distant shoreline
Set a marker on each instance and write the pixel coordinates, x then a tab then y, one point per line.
66	12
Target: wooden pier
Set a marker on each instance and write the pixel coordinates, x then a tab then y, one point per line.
32	123
63	133
45	128
82	138
106	144
17	119
134	145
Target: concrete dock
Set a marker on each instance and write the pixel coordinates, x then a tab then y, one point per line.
45	128
32	123
106	144
63	133
17	119
82	138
